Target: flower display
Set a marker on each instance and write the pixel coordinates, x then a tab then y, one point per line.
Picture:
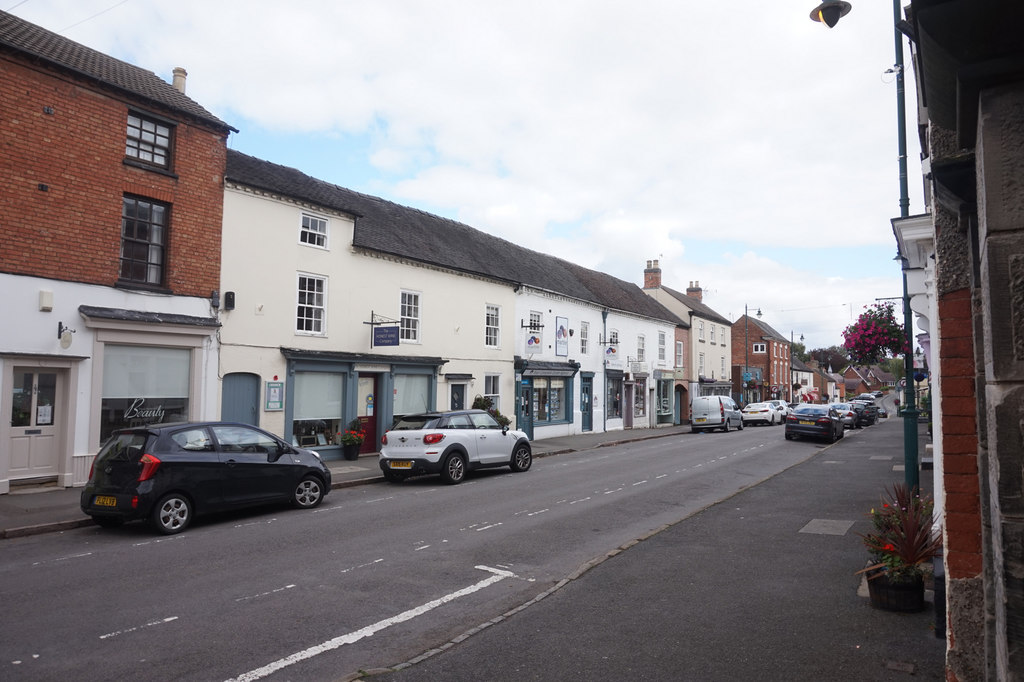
904	539
352	436
875	334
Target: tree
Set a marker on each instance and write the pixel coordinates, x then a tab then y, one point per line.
875	335
833	356
800	351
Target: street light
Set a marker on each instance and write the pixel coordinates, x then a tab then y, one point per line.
828	13
791	363
746	350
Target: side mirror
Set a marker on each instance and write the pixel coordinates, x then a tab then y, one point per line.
504	430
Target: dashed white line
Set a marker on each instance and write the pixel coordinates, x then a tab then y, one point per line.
493	525
355	568
265	594
63	558
147	625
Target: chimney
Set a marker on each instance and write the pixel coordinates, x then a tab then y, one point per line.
652	275
694	291
178	83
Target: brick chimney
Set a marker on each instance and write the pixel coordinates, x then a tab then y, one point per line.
652	275
694	291
178	82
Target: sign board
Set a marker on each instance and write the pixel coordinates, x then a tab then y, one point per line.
562	336
385	336
274	396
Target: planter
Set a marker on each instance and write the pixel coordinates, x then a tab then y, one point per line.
906	597
351	451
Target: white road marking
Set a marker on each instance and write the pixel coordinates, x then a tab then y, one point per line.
370	630
539	511
493	525
419	548
176	538
582	499
369	563
62	558
640	482
265	594
147	625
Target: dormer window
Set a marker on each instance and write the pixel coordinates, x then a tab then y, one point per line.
148	140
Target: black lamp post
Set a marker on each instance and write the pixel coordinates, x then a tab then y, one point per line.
829	13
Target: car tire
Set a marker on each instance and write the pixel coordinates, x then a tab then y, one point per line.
393	476
454	469
522	458
172	514
740	427
108	521
727	427
308	493
789	436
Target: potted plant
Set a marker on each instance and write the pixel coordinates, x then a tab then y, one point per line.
351	439
901	547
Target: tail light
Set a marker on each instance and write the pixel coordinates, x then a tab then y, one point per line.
91	467
433	438
149	466
792	418
721	406
824	420
384	439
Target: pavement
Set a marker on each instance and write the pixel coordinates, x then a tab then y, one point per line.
766	530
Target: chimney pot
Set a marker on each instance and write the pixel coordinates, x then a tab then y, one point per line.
178	81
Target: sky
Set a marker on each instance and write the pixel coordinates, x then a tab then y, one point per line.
742	145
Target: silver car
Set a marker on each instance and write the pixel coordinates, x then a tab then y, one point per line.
848	414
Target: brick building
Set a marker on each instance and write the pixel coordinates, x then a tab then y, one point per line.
761	367
111	203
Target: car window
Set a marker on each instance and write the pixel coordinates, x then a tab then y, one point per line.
415	422
124	446
483	420
192	440
459	421
242	439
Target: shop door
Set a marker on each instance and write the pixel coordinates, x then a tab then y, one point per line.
586	402
36	416
524	416
240	398
366	411
458	396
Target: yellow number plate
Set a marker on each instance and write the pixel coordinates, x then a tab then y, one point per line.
400	465
700	419
104	501
806	422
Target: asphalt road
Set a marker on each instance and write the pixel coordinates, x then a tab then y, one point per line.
376	576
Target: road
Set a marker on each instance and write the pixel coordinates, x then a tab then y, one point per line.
372	578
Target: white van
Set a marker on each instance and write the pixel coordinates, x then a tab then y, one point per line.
714	412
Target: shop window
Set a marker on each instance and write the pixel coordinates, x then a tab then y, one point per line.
640	398
143	385
548	400
317	408
412	394
613	404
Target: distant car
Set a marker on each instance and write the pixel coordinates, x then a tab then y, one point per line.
760	413
815	421
883	413
868	414
866	397
847	413
783	408
451	444
878	394
714	412
170	473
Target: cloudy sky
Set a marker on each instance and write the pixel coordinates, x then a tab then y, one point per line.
742	145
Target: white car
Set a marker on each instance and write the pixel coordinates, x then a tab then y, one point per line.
783	409
760	413
451	444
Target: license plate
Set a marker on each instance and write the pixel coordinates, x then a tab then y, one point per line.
400	465
700	420
104	501
807	423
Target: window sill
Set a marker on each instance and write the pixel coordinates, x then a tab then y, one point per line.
140	286
141	165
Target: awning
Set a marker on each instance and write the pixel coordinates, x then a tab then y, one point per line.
546	368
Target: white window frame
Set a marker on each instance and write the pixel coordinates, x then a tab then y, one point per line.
314	231
313	321
712	334
410	315
492	326
680	355
662	340
641	348
492	390
760	348
700	330
700	364
584	338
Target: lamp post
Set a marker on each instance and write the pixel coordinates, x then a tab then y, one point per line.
791	363
746	350
829	13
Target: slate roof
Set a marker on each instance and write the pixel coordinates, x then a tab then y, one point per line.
386	227
699	308
37	43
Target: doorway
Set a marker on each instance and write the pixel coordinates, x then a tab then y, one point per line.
240	398
586	402
366	412
458	400
37	414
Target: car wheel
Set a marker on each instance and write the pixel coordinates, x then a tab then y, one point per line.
727	427
309	493
454	469
108	521
393	476
172	514
522	458
741	425
789	436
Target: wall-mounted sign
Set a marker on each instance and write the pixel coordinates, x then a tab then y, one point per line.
385	336
274	396
562	336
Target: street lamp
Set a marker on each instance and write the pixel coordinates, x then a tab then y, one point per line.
829	14
791	363
746	350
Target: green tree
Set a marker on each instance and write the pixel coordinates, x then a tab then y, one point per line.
833	356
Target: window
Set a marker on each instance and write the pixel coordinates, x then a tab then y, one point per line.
409	326
548	400
760	348
700	330
679	355
143	240
536	321
492	390
700	364
142	385
313	231
661	346
712	333
311	305
584	338
723	368
148	141
641	349
613	405
492	328
640	398
317	408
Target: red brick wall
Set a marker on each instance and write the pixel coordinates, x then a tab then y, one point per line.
72	230
959	437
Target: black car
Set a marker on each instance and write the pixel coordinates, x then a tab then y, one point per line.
867	412
170	473
815	421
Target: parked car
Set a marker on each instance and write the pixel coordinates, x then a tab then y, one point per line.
847	413
878	394
883	413
867	414
815	421
760	413
783	408
866	397
714	412
451	444
171	473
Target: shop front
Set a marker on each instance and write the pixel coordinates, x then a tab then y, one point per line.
545	391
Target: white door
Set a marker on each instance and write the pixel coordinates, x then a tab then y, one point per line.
36	413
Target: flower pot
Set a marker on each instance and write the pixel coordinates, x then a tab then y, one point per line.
351	450
906	597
